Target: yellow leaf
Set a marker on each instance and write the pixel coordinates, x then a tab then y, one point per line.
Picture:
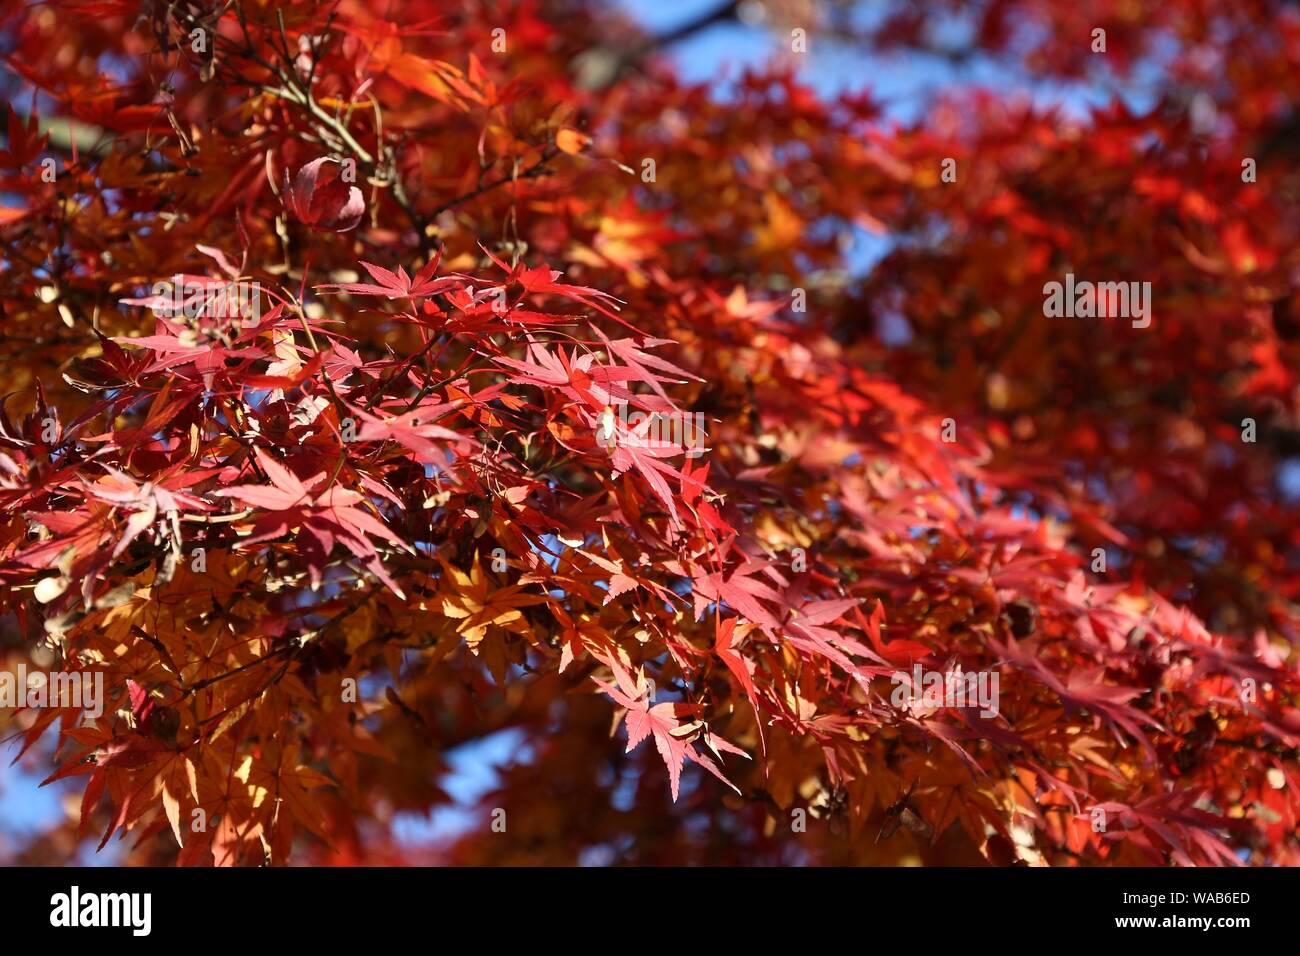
172	807
359	626
571	141
783	227
191	774
419	74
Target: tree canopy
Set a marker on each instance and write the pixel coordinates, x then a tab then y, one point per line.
383	379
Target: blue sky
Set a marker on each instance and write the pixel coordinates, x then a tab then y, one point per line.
902	83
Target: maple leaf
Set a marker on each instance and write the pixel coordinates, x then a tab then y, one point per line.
620	580
146	502
726	634
543	280
898	651
557	369
725	638
477	606
399	285
24	143
176	347
672	735
741	590
803	628
638	449
325	518
413	430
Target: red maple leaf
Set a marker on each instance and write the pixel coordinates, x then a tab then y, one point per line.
326	518
673	737
399	285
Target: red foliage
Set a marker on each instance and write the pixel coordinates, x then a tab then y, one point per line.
577	440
